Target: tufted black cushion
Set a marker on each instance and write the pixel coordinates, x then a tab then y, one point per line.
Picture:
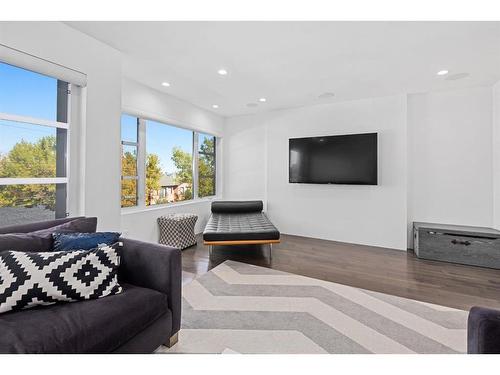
239	227
233	207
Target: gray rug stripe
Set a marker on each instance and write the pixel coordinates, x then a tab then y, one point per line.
250	269
448	319
322	334
402	334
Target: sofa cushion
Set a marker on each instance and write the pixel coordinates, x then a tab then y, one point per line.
83	241
25	242
41	240
95	326
29	279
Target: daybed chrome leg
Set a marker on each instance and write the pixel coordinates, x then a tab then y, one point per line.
270	251
210	251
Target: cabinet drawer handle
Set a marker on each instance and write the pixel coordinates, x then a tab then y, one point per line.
455	242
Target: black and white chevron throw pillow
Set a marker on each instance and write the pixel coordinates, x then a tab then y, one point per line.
29	279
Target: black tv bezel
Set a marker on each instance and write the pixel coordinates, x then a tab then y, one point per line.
335	183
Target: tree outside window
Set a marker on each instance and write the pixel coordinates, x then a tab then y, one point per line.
169	164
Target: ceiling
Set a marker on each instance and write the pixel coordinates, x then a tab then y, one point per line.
292	63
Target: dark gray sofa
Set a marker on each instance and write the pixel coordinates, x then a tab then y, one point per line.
144	316
483	331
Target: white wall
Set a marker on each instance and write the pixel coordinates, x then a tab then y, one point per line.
445	144
246	158
450	157
143	101
372	215
496	155
58	43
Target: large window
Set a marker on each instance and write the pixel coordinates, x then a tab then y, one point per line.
33	146
162	164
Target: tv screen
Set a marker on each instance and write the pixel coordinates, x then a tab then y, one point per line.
338	159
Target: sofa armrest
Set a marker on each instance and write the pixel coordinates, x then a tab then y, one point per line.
155	267
483	331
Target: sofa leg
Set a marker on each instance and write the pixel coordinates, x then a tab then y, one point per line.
173	340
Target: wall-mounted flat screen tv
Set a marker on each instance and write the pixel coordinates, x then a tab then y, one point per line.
338	159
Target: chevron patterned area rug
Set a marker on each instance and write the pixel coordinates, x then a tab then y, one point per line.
240	308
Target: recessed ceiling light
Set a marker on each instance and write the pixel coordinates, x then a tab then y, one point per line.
215	106
165	84
326	95
442	73
262	100
252	105
222	72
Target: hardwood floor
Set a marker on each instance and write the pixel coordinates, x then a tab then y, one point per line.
383	270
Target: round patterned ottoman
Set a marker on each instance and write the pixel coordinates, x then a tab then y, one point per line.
177	230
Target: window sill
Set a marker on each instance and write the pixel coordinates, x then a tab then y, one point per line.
135	210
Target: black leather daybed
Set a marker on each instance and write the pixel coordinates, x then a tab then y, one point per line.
239	223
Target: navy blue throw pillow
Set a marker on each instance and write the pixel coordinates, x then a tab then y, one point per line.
83	241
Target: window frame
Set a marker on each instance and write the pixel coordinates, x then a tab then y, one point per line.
63	123
130	177
214	154
141	162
